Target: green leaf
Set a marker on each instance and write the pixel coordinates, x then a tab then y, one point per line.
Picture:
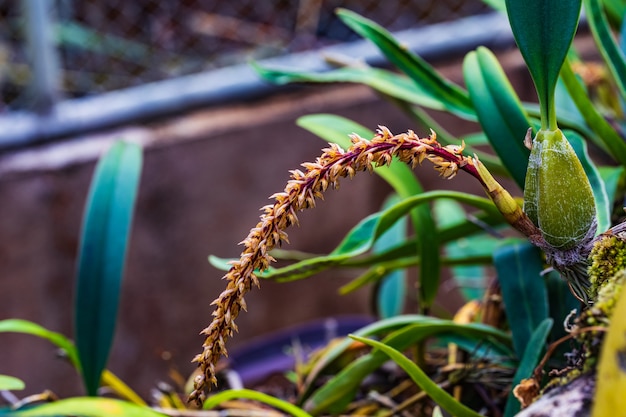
88	407
603	204
383	81
401	178
439	395
610	50
362	237
62	342
422	118
11	383
560	302
615	10
336	350
530	359
610	139
498	5
451	95
391	293
248	394
470	279
407	329
335	394
519	267
499	110
105	232
543	30
612	178
33	329
381	268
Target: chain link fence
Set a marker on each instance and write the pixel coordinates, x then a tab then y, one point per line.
108	45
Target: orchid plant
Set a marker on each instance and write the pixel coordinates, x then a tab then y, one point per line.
568	252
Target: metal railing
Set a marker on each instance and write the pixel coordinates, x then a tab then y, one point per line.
87	70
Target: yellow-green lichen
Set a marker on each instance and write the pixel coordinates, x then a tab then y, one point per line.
607	258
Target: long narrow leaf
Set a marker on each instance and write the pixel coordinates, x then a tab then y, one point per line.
381	269
383	81
439	395
530	359
422	118
403	181
105	231
524	293
608	47
391	292
377	328
499	111
362	237
612	178
33	329
611	140
453	97
615	10
62	342
335	394
88	407
543	30
221	397
561	302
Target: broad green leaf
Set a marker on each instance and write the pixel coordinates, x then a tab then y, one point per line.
401	178
391	292
532	354
451	95
438	394
104	238
543	30
248	394
610	139
334	129
610	50
88	407
11	383
603	204
519	267
499	110
383	81
609	399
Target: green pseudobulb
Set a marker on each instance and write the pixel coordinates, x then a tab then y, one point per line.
557	195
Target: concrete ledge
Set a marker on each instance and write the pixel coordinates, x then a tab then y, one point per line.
236	83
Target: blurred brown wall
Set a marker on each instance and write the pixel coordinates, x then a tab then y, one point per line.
205	176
